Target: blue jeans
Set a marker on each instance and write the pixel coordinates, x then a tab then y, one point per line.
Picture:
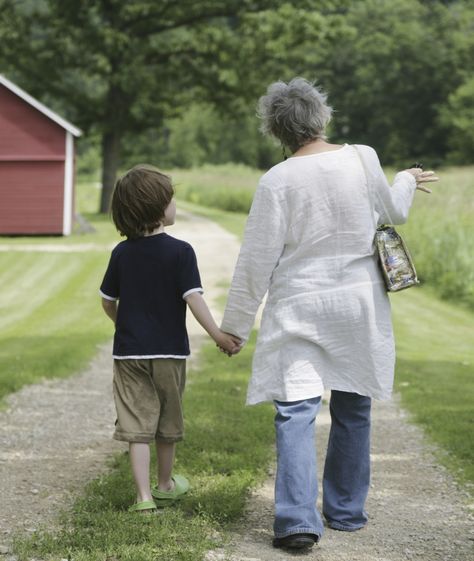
346	472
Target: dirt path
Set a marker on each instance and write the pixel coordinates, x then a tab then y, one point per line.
56	436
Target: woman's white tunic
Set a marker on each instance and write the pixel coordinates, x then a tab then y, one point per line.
309	243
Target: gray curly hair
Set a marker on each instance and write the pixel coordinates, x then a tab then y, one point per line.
295	113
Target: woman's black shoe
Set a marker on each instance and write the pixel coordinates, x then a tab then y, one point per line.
296	541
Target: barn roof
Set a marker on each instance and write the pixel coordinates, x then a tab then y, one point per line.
39	106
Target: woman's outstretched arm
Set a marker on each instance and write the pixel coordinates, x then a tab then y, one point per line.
264	240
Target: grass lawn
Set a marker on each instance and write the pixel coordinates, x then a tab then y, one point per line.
51	321
434	374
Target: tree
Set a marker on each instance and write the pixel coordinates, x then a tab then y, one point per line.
394	72
458	118
391	69
264	46
122	66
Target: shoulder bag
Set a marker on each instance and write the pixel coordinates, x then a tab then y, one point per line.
396	264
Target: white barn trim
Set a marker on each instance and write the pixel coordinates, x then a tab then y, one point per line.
40	107
68	184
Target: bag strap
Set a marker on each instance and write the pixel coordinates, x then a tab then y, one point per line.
369	184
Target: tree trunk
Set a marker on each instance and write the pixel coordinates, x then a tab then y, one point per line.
110	162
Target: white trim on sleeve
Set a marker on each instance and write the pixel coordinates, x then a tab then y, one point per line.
188	292
107	297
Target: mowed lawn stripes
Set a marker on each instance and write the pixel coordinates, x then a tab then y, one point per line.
50	317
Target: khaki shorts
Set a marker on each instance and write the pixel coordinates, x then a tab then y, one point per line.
148	399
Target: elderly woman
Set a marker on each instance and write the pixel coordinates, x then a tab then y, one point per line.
326	323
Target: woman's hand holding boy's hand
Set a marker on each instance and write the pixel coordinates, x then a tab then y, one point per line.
228	343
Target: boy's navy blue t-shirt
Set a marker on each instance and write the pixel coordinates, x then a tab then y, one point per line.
150	277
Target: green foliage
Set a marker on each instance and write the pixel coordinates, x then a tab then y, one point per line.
88	162
93	56
398	75
401	71
203	135
120	68
221	462
458	117
177	83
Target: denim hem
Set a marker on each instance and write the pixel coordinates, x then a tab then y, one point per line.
342	528
311	531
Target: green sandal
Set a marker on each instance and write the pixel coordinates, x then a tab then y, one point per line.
167	498
143	507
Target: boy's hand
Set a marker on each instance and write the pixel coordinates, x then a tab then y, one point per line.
228	343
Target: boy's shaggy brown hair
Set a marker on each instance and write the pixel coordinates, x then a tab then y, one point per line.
140	199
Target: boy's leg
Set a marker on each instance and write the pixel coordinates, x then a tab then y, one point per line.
296	486
165	452
169	378
347	469
138	409
140	462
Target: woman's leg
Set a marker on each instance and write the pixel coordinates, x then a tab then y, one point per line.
296	486
140	461
347	469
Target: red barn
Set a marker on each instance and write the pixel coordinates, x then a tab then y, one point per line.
36	165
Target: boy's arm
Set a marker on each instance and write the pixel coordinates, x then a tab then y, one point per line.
201	312
110	308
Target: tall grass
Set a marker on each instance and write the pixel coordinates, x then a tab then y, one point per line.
438	232
439	235
227	187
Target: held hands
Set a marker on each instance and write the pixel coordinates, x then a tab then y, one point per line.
228	344
422	177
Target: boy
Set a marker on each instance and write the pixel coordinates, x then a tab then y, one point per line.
153	276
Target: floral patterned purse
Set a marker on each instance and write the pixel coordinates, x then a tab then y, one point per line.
395	260
396	264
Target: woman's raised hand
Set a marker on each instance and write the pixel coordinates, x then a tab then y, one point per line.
423	177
